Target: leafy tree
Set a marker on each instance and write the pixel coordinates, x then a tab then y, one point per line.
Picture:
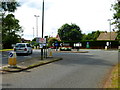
10	6
70	32
11	29
51	40
116	16
91	36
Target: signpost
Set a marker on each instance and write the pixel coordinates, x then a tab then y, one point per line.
87	45
42	44
77	45
56	45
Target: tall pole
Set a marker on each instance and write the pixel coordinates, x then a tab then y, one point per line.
33	32
36	24
42	28
110	30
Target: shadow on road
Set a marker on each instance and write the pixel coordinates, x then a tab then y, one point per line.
82	59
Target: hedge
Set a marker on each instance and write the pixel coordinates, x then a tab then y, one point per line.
94	44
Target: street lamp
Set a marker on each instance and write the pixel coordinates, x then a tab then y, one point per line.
110	29
33	32
42	27
36	24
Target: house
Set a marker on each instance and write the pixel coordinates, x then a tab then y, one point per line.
24	40
58	38
107	36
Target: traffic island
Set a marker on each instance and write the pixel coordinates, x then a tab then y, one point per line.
33	64
71	51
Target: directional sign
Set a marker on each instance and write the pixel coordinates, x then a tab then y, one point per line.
41	40
53	44
10	54
56	44
60	44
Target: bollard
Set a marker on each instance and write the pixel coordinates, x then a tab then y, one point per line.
34	47
49	52
37	47
119	48
106	47
12	59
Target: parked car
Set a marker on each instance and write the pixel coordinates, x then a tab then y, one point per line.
65	48
23	48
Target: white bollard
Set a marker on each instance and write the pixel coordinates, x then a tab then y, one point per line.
106	47
50	52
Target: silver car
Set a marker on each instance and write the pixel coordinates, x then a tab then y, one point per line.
23	48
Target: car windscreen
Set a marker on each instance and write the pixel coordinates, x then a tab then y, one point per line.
20	45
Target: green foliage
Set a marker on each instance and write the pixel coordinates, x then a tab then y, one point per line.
70	32
116	16
51	40
11	29
91	36
34	39
10	6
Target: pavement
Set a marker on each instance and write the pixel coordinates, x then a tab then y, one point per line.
28	64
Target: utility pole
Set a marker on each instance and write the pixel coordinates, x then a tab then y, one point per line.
42	28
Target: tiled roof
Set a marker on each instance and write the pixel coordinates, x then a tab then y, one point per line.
58	37
107	36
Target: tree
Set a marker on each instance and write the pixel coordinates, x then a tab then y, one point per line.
70	32
10	25
116	16
51	40
10	6
91	36
10	30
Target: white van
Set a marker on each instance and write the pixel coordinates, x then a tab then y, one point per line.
23	48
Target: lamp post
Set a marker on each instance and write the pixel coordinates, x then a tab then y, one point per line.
110	30
36	24
33	32
42	28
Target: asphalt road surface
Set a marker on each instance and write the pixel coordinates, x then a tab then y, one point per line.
76	70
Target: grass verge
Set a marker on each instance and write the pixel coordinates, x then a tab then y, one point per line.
113	81
5	50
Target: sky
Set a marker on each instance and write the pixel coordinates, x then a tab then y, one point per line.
89	15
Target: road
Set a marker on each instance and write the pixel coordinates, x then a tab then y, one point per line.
76	70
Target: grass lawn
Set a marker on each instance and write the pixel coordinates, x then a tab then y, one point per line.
6	50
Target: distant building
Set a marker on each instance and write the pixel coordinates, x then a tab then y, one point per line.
24	40
107	36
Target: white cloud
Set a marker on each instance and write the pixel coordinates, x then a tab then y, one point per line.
90	15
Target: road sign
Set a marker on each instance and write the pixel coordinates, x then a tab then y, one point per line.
53	44
61	44
10	54
41	40
107	43
56	44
